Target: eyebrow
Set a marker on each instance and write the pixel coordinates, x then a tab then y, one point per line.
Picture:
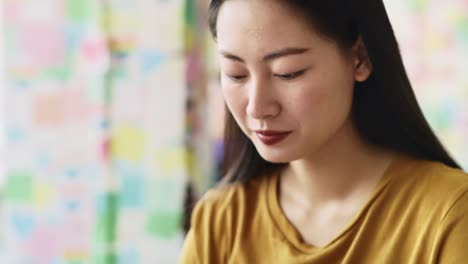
274	55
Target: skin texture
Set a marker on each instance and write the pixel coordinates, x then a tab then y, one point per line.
314	105
278	73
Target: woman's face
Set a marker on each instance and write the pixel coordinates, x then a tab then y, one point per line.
289	89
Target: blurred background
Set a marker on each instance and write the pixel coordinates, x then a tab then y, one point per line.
111	119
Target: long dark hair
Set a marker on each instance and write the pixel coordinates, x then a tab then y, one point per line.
385	110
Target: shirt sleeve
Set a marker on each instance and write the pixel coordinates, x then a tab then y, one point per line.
454	246
189	250
205	241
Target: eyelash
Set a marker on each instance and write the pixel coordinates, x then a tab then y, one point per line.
284	77
236	78
290	76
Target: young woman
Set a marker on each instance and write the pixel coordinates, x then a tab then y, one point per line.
328	156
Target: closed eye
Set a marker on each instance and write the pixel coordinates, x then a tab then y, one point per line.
290	76
237	78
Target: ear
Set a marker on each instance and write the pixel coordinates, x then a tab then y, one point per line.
362	64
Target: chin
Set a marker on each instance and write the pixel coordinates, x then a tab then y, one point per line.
276	156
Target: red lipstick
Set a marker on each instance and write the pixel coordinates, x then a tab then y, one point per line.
270	137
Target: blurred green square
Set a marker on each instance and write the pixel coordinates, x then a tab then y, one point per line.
164	225
81	10
110	258
19	186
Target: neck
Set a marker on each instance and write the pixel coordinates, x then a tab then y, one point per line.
344	166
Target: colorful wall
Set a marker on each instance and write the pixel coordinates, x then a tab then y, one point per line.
104	130
433	36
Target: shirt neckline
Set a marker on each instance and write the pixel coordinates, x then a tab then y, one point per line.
290	233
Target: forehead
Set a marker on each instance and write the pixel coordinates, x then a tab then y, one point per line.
261	23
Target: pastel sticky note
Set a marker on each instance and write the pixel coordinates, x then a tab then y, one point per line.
72	172
73	33
61	72
462	31
43	44
129	256
122	20
127	143
22	224
106	258
151	60
43	245
72	205
164	225
11	10
49	110
81	10
170	160
418	5
94	50
132	191
76	256
19	186
43	159
16	135
43	195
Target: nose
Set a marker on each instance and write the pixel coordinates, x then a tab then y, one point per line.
262	101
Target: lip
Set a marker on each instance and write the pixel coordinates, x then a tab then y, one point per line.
270	137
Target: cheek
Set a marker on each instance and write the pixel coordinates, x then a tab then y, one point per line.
235	102
307	99
307	105
322	101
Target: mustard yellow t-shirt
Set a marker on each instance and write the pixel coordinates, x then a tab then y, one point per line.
418	213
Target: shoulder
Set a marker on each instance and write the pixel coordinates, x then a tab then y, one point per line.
446	191
231	207
437	177
217	217
220	213
431	185
231	198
